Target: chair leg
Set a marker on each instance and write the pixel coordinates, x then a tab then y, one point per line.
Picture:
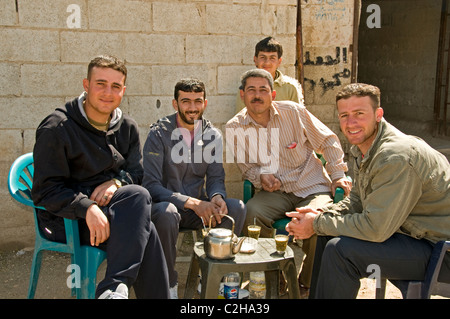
34	275
381	291
91	260
180	240
192	277
414	290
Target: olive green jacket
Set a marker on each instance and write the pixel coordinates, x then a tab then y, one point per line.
401	185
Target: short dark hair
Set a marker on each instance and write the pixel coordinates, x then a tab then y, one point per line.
189	85
107	61
256	73
360	90
269	44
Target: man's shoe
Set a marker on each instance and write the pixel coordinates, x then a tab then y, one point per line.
173	292
121	292
304	292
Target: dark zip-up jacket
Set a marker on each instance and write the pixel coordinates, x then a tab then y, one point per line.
71	158
173	171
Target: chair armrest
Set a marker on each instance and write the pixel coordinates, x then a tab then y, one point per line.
249	190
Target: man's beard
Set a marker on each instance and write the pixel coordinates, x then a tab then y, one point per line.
184	118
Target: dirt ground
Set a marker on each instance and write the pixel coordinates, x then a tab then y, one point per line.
15	271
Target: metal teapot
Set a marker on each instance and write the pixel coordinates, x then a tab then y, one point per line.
221	243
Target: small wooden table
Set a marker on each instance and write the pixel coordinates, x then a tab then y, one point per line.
265	258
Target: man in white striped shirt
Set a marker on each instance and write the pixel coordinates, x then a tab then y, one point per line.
274	145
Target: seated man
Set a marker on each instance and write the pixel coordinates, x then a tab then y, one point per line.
274	149
88	164
397	210
268	56
182	155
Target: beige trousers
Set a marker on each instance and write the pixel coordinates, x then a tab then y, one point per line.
267	207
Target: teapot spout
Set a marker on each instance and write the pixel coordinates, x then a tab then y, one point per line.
237	245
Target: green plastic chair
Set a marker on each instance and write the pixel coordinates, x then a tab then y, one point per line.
279	225
20	181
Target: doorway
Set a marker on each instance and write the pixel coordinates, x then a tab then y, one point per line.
401	57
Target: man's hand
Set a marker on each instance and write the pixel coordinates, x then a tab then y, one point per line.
220	203
344	183
98	225
269	182
103	193
301	225
205	209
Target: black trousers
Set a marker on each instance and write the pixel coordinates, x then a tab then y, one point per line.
168	220
134	253
341	262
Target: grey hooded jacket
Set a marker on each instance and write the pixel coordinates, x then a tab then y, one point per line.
175	170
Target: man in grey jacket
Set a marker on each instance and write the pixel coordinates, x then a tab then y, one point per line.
184	174
397	209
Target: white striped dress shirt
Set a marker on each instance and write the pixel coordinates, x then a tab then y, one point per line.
286	148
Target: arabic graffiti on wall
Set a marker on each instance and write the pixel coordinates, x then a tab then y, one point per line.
341	57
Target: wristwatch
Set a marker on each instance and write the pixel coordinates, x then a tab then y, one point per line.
117	182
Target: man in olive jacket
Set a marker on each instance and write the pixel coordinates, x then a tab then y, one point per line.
397	209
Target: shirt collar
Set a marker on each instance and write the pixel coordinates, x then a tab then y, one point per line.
247	119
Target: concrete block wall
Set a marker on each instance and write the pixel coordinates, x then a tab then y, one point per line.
403	51
46	46
327	56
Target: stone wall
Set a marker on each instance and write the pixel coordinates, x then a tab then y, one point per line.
46	46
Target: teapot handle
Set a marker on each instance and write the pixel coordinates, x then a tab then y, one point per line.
232	220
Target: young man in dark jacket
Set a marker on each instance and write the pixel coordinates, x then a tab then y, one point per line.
182	155
88	164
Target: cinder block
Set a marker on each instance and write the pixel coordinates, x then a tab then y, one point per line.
8	15
27	112
234	190
184	17
220	108
29	138
139	80
229	78
286	19
235	19
232	172
154	48
50	14
248	48
120	15
325	113
53	80
34	45
10	79
147	110
213	49
166	76
79	46
283	2
11	144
